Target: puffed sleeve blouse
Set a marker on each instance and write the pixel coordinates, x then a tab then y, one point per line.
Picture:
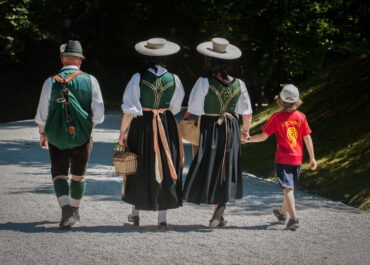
131	96
200	90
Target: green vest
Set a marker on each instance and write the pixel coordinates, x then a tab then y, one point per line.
79	109
156	91
220	97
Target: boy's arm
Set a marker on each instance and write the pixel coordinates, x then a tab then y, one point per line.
309	145
256	138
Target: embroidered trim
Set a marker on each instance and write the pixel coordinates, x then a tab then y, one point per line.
226	94
158	90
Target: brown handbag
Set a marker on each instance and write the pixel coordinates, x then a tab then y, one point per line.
125	162
190	130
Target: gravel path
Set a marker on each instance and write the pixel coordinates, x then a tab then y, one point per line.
330	232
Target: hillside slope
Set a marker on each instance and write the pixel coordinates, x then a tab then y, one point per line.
336	103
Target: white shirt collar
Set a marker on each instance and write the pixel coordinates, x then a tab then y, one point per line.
70	67
160	71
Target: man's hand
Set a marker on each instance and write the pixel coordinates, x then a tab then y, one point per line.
43	141
313	164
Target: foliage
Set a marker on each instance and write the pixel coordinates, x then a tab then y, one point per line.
15	28
282	40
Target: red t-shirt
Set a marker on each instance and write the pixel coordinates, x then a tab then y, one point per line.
290	128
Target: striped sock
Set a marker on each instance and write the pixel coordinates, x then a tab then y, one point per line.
77	192
61	190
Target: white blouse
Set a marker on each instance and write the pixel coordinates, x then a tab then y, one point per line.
200	90
131	96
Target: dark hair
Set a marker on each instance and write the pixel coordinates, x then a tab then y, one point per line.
215	66
147	62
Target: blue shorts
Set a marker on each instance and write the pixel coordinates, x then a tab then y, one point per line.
288	175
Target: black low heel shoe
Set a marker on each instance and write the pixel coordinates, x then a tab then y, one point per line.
162	227
217	217
134	219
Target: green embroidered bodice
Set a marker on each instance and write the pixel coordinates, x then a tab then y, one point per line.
220	97
156	91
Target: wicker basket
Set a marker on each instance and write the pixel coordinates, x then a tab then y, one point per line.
190	131
125	162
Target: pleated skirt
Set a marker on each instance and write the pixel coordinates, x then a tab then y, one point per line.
203	183
142	189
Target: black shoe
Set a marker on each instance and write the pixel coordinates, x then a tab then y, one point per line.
162	227
223	222
64	227
75	212
67	217
134	219
217	216
281	217
292	224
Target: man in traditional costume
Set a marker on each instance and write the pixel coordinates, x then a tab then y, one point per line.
70	105
149	129
215	175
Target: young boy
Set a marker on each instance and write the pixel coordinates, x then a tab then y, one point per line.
290	127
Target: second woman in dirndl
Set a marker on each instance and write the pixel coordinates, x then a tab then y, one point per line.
215	175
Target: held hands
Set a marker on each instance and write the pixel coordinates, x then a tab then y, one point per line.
244	136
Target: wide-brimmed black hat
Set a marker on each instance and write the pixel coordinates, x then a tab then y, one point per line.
72	48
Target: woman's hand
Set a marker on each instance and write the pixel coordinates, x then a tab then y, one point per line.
43	141
122	138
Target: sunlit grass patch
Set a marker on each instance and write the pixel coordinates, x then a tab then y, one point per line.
336	104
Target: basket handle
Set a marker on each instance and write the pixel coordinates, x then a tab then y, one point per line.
123	148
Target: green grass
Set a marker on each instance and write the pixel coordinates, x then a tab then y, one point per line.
336	103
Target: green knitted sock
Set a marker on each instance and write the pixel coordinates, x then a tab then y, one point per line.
77	192
61	189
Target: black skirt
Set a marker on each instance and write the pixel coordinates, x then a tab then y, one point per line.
142	189
203	182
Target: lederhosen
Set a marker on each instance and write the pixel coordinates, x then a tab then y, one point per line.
154	137
215	173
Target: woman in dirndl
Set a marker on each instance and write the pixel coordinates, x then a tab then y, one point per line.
149	129
215	174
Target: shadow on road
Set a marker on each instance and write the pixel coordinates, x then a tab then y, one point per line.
52	227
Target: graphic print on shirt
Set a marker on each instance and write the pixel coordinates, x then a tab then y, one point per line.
292	135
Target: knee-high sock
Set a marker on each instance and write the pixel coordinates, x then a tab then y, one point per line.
77	192
134	211
162	216
61	189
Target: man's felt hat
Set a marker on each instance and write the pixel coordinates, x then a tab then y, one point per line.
219	48
72	48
